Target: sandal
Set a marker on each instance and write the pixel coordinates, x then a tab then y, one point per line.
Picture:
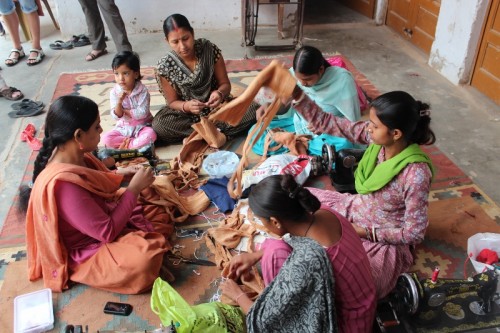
26	102
9	92
81	40
37	59
93	56
26	111
28	135
10	61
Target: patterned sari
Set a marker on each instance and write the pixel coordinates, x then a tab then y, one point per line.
301	297
172	125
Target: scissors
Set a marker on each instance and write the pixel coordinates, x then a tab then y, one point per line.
177	258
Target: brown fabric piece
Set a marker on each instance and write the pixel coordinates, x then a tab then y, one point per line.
274	76
223	239
293	142
177	206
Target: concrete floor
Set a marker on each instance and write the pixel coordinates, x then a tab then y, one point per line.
466	123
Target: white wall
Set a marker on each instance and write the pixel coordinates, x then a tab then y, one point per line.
457	37
148	15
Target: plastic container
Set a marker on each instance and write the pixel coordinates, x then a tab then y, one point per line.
33	312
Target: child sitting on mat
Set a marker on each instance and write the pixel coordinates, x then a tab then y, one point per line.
129	105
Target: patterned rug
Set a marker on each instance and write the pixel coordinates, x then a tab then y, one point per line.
458	209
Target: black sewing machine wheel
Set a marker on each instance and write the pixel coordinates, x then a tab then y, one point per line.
407	294
328	157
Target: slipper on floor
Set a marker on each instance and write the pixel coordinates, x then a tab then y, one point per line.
60	45
56	45
11	61
26	102
95	56
29	131
81	41
36	60
26	111
9	94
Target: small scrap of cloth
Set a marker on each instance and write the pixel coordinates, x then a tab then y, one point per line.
216	191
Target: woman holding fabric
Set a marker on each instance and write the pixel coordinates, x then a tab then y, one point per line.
332	88
193	79
80	226
317	274
392	179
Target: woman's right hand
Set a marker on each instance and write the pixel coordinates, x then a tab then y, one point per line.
141	179
242	263
194	106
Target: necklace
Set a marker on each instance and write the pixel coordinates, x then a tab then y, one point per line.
310	225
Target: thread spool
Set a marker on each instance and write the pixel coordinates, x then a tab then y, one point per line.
435	275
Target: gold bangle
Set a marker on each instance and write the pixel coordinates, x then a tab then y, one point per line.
221	94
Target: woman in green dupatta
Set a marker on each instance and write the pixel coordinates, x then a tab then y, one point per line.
193	79
390	210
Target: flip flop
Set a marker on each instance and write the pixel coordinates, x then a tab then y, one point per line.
29	131
56	45
81	41
26	102
26	111
95	56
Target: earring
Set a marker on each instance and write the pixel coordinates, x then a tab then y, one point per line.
278	226
81	146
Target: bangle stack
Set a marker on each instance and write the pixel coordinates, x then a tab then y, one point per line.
371	235
220	94
183	110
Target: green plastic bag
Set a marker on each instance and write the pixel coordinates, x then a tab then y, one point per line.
213	317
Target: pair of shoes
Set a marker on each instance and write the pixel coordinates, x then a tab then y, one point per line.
26	108
93	56
9	92
32	61
26	102
28	135
10	61
80	40
60	45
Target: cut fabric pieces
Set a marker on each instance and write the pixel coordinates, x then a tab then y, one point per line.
216	191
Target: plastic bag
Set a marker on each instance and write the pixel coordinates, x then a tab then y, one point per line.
297	166
479	242
221	164
213	317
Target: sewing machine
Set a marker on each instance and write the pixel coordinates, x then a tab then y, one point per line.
118	155
431	301
340	166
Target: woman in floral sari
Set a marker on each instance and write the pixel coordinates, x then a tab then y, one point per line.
193	79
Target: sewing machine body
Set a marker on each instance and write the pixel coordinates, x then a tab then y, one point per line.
428	303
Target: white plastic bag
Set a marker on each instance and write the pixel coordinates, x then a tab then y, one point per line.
220	163
297	166
479	242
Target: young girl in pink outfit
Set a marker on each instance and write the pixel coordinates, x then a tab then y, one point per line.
129	105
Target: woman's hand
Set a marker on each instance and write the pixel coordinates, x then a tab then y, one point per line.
261	111
360	231
242	264
142	178
129	170
215	99
194	106
231	289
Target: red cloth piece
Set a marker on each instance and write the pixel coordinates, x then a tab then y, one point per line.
487	256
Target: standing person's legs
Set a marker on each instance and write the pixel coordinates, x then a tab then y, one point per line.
11	20
94	24
113	19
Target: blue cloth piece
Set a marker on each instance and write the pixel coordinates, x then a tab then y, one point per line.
216	191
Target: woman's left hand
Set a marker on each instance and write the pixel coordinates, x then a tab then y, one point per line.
129	170
230	289
215	99
359	230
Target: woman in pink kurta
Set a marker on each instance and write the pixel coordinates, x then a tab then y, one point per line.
285	208
390	211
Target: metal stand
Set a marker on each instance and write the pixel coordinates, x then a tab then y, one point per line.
250	15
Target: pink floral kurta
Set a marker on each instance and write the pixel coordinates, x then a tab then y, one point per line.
398	211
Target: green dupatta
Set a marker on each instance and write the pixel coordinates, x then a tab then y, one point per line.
370	176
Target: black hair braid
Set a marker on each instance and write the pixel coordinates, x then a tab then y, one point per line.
423	135
40	162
